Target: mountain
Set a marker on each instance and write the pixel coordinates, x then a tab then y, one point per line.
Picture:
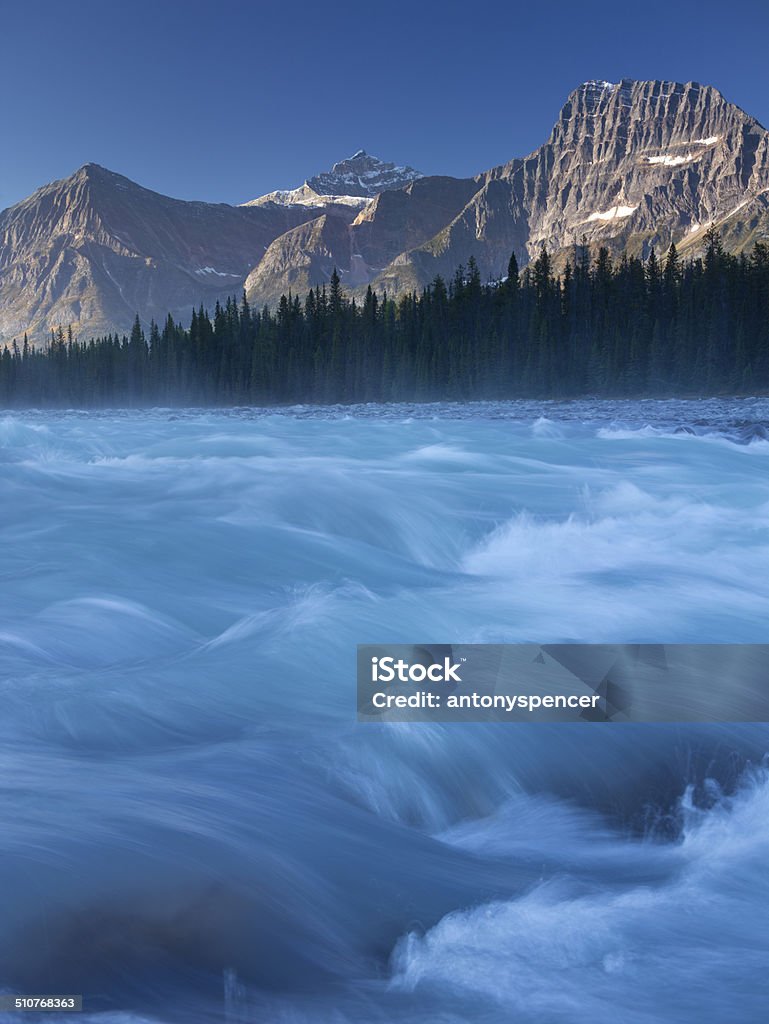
628	165
361	246
351	182
93	249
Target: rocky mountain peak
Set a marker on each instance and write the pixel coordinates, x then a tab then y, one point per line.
351	182
88	187
640	115
628	165
644	158
92	170
362	175
95	174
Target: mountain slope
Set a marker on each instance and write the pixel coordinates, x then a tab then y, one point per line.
93	249
627	165
300	259
359	248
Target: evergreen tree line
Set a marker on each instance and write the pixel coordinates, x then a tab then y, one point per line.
635	328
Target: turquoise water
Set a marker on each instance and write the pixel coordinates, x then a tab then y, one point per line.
195	827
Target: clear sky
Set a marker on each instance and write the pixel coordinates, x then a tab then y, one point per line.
226	100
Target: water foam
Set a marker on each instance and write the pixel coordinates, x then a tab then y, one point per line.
187	795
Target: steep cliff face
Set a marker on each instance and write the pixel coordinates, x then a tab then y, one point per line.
627	165
649	159
94	249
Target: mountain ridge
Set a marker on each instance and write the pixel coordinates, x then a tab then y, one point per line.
524	204
352	182
627	165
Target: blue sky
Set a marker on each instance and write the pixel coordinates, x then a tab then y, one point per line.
225	101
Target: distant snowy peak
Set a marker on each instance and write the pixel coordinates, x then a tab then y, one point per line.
362	175
351	182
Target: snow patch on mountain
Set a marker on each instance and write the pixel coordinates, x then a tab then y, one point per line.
305	196
676	159
666	160
613	213
213	270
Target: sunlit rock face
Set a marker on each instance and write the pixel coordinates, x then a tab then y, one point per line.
630	166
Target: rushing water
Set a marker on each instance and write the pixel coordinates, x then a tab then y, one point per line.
194	828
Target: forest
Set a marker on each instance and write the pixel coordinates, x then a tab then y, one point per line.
630	327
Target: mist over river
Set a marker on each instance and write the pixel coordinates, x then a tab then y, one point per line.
194	828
